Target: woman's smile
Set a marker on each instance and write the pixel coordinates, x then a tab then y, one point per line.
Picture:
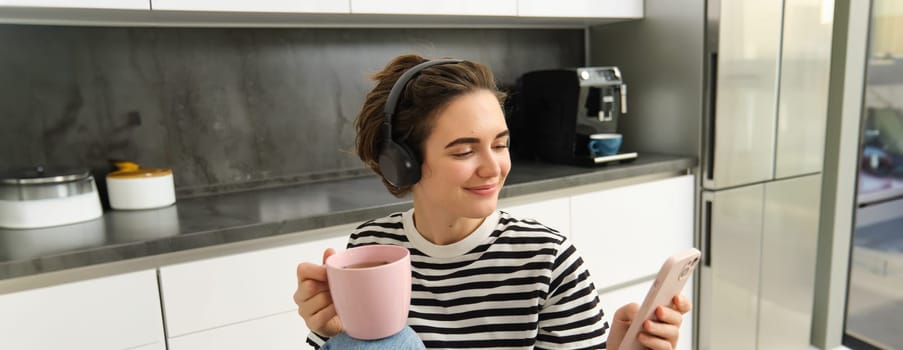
484	190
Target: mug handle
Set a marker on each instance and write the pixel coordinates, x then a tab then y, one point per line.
594	148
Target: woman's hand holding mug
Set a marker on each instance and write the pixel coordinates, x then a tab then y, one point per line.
314	301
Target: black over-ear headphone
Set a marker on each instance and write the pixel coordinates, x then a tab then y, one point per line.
397	163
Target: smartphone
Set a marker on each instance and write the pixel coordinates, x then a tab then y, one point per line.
670	280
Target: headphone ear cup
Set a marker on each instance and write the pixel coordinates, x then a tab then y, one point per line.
399	165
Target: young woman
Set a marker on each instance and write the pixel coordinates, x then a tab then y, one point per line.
481	278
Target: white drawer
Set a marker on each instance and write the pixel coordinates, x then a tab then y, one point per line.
274	6
581	8
206	294
282	331
80	4
626	233
436	7
115	312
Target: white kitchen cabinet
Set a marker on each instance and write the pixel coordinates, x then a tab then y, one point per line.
84	4
626	233
581	8
436	7
284	6
115	312
277	332
206	294
554	213
313	13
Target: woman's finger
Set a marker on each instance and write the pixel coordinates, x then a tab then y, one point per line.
627	312
682	304
308	271
655	343
314	305
321	318
327	253
668	332
669	316
309	288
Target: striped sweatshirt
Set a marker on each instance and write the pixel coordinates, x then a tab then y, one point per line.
511	284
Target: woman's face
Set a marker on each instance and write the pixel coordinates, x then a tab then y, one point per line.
465	157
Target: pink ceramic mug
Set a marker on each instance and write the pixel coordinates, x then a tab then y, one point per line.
371	289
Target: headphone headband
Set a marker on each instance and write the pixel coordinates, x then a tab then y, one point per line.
402	82
398	164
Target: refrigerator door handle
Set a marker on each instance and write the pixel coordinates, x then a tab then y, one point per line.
706	237
711	119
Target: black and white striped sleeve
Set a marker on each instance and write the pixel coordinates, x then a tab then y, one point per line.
315	340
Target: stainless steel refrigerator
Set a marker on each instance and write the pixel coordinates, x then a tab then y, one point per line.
767	70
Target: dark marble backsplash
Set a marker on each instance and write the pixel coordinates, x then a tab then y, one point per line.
227	109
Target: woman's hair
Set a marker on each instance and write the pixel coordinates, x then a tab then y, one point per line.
424	97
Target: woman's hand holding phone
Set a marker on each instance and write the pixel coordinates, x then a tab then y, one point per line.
314	301
656	324
658	334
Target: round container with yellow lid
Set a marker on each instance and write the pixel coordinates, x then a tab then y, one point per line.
134	187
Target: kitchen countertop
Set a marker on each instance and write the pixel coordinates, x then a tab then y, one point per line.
227	218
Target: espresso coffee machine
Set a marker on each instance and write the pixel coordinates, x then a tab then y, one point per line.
558	110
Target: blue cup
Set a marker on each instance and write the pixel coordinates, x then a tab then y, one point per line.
601	145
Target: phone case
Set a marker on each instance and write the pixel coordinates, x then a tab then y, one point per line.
670	280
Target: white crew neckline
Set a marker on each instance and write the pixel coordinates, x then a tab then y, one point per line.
474	239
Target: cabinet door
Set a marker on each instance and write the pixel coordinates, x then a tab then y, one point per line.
436	7
210	293
581	8
281	331
789	242
86	4
297	6
554	213
729	300
116	312
626	233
